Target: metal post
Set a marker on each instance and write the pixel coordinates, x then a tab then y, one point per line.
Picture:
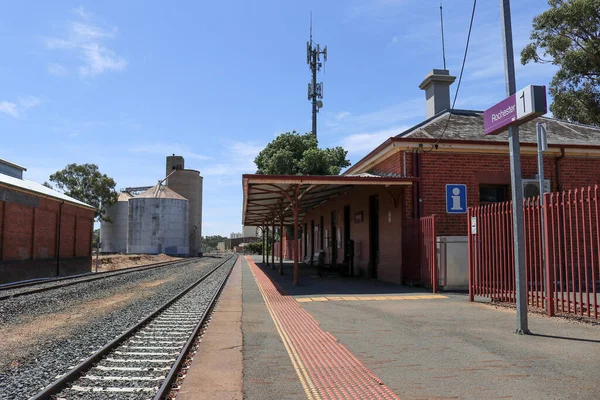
267	242
273	244
263	243
281	238
97	253
314	98
296	241
541	147
515	172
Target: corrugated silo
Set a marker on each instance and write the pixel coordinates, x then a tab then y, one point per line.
113	235
158	222
188	183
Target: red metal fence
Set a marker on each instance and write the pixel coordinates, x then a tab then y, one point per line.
419	252
562	259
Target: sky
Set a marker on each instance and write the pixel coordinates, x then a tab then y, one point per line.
123	84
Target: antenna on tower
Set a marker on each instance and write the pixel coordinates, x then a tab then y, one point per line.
442	24
315	90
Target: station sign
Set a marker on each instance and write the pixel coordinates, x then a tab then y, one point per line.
523	106
456	198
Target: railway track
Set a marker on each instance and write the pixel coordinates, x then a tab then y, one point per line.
143	361
22	289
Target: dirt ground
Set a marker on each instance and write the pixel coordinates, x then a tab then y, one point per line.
115	262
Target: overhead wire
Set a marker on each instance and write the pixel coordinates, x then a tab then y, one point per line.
459	78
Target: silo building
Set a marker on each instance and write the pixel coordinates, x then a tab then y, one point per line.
187	183
113	234
158	222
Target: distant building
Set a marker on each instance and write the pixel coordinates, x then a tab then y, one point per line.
165	218
233	235
251	231
43	232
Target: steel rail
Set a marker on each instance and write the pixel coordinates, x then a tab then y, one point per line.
90	278
165	388
74	373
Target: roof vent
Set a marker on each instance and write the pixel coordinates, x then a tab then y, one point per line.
437	91
10	169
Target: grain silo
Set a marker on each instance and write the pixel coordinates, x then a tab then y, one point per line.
158	222
188	183
113	235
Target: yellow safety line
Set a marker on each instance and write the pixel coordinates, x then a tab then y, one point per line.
305	380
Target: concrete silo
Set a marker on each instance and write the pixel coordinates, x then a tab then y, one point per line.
113	235
188	183
158	222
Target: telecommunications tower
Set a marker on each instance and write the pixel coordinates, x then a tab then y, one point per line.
315	90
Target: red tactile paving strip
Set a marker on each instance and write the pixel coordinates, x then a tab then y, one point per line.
333	370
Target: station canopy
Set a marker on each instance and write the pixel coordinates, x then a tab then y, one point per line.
270	198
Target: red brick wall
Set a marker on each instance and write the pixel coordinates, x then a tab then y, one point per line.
28	239
439	169
390	265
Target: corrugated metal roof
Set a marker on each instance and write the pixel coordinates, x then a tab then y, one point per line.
159	191
124	196
38	188
468	125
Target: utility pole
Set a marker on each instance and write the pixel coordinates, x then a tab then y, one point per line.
315	90
515	172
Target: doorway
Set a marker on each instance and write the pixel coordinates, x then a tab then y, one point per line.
346	234
373	235
333	240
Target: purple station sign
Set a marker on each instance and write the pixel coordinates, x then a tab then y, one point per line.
523	106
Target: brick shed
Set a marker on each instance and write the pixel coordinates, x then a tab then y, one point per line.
43	233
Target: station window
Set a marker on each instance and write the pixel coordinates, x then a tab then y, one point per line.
492	194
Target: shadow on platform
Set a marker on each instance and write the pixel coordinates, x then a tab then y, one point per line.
330	283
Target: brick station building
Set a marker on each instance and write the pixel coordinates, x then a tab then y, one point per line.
448	147
43	233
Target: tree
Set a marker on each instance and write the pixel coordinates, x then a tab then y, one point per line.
87	184
95	238
209	243
292	153
568	36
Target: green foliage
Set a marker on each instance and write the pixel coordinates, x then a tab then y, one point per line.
95	238
209	243
253	248
292	153
568	35
87	184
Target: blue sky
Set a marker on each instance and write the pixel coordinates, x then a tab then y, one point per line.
124	83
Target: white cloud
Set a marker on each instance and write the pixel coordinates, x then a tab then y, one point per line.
168	148
9	108
85	40
365	142
19	109
57	69
82	12
392	115
241	156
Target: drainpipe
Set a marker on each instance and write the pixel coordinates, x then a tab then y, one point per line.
416	185
58	238
556	169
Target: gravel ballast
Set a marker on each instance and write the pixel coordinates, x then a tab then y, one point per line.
51	355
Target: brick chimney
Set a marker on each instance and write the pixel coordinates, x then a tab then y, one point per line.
437	91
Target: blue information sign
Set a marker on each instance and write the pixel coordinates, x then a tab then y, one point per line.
456	198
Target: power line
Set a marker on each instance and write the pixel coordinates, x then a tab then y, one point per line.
459	78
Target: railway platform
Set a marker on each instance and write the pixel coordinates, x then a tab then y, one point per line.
347	338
